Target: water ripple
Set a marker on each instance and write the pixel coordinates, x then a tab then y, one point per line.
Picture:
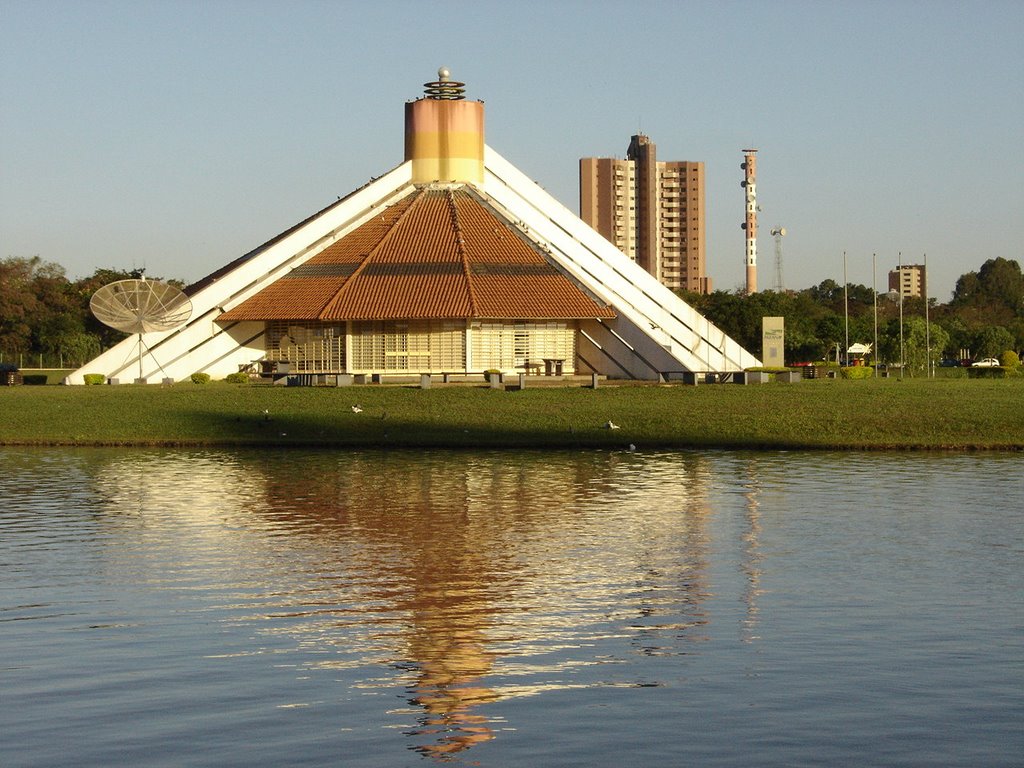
447	605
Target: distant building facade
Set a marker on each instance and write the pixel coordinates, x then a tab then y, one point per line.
910	280
651	211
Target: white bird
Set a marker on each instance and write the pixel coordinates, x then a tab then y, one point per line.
356	409
610	425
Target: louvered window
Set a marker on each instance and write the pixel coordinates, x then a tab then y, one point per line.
420	346
309	347
509	346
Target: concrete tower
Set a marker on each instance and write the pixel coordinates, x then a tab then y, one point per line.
749	184
444	134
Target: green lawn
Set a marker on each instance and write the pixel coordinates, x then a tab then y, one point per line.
876	414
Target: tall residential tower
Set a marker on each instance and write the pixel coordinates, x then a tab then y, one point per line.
651	211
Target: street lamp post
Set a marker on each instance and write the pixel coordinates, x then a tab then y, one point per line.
927	326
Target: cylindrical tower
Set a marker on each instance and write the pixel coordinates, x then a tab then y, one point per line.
444	135
749	184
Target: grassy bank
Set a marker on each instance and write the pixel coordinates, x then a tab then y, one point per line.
881	414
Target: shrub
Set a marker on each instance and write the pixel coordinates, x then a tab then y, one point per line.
857	372
200	378
987	373
1009	359
237	378
94	378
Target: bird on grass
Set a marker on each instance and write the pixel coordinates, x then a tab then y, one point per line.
610	425
356	409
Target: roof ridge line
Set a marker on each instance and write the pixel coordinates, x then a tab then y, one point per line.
460	248
371	253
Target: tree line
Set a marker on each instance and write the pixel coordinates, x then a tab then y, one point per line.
43	312
984	318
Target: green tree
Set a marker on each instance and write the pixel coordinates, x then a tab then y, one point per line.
36	306
803	345
923	344
827	293
1016	329
960	336
78	348
992	341
18	303
928	342
995	291
42	311
831	331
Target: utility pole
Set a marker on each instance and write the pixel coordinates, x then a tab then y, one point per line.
846	310
874	349
903	362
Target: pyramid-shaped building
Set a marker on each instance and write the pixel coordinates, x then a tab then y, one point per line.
453	262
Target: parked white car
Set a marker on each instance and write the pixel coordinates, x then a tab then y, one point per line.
988	362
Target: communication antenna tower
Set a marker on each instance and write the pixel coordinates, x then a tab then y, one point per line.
778	233
140	306
749	225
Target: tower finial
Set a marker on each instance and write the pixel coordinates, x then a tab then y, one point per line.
444	88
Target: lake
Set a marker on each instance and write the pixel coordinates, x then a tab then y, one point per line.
311	608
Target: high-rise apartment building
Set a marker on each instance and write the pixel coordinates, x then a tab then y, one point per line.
652	211
909	279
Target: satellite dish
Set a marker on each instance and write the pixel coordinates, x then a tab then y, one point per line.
140	306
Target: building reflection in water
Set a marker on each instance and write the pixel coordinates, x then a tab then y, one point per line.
447	649
752	557
475	577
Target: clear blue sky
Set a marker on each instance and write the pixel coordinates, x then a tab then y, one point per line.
178	135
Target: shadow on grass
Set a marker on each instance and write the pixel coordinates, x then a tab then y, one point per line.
379	430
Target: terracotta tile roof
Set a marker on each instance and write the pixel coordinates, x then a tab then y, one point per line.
437	253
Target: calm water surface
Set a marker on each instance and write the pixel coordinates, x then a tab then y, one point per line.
272	608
